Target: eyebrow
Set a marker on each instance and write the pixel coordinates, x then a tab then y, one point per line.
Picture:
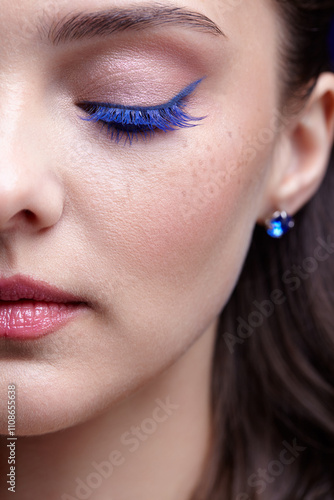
104	23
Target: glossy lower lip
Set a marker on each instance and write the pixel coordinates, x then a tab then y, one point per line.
31	319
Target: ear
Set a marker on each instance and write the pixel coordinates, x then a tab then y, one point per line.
301	154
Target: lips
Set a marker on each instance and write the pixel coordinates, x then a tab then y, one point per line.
30	309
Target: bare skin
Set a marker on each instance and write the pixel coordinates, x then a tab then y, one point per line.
152	234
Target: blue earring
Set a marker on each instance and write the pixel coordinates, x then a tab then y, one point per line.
279	224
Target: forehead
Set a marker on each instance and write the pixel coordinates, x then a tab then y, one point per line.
42	14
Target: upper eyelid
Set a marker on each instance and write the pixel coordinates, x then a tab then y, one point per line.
175	100
142	120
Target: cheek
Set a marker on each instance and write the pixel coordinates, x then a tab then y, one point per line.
170	215
198	215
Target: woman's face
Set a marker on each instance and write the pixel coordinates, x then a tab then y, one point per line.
153	232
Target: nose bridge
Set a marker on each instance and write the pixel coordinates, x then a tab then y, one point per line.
18	113
12	98
27	183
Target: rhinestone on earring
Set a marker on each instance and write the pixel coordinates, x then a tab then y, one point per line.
279	224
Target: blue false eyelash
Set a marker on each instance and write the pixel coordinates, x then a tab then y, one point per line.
130	122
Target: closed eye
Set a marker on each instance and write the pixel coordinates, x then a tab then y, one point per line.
129	123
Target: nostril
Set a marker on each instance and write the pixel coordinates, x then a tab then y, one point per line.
30	215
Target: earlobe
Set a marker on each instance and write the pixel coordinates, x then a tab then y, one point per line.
301	162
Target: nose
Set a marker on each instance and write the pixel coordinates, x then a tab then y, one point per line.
31	192
28	201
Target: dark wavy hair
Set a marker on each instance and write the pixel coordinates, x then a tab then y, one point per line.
272	392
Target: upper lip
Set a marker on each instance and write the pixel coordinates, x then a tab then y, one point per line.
23	287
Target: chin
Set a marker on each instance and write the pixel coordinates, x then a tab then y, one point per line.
44	404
